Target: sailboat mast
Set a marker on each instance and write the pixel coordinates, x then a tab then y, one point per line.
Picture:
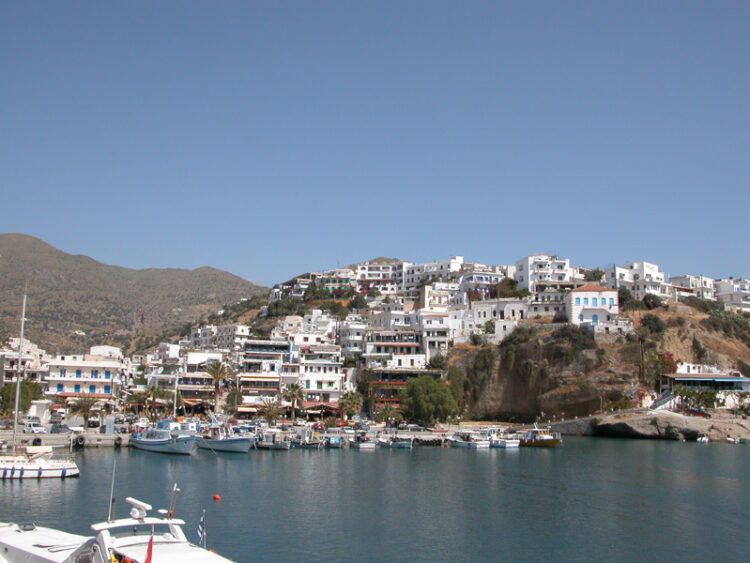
18	373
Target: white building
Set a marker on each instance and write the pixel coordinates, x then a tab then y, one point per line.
440	270
594	306
734	293
536	272
231	337
641	278
385	276
352	335
76	375
202	337
33	362
702	287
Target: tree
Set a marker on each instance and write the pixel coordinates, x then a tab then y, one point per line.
507	288
489	327
373	292
30	391
219	371
652	301
155	392
358	302
438	362
137	401
624	296
84	406
294	394
699	352
350	404
594	275
653	324
271	411
232	401
388	413
427	399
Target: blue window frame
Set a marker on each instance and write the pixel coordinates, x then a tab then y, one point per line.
585	300
92	389
594	301
62	372
611	300
77	388
578	300
106	389
580	317
95	374
106	374
59	387
78	373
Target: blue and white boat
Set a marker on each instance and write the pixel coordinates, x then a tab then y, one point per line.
166	438
334	442
219	440
396	442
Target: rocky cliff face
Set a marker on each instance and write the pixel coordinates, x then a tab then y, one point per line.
666	425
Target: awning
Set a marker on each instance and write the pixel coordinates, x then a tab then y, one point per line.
192	402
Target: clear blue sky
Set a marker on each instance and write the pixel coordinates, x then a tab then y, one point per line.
272	138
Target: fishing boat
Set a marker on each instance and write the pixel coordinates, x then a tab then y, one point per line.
139	537
272	439
307	439
334	442
396	442
219	440
539	438
470	440
35	462
361	442
164	439
504	440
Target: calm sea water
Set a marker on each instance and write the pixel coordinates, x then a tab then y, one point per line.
589	500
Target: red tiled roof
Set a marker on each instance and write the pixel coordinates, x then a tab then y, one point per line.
593	287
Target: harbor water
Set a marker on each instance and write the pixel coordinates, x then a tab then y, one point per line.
588	500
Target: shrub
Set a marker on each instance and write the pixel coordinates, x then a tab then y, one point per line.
654	324
651	301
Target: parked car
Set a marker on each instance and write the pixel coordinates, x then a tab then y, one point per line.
94	421
60	428
362	426
55	417
34	428
414	428
319	426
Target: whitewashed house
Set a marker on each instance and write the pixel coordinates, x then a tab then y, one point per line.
537	272
594	306
734	293
702	287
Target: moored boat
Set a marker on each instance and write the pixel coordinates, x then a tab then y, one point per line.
504	440
334	442
219	440
162	440
38	462
361	442
396	442
470	440
539	438
139	537
272	439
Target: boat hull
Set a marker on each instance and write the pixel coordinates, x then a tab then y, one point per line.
546	443
179	446
362	445
505	443
478	445
21	468
395	444
234	445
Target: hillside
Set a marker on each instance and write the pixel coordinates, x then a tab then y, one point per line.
562	371
75	302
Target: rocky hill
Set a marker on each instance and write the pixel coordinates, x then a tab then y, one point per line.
565	372
75	302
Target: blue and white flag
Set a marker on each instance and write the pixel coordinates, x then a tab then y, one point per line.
201	526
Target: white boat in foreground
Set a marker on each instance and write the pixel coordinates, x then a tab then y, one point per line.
219	440
162	441
115	540
504	440
37	463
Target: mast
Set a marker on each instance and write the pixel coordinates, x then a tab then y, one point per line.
18	373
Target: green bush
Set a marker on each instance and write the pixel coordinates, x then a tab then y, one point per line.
653	324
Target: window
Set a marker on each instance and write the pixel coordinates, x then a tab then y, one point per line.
594	301
92	389
95	374
106	389
59	387
580	317
107	375
307	384
578	300
611	301
77	388
585	300
78	373
320	385
62	372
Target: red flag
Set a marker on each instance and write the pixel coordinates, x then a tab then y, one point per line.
149	550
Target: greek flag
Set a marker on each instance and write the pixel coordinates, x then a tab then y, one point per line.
201	525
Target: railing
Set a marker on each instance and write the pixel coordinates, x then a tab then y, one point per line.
663	401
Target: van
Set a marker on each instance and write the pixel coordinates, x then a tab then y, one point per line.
34	428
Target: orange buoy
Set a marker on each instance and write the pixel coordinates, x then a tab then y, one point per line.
217	498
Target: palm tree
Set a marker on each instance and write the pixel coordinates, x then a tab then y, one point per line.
84	406
350	403
232	401
294	394
388	413
137	401
155	392
271	410
219	371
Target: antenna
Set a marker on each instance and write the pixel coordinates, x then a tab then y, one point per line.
111	492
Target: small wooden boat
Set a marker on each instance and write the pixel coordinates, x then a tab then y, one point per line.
539	438
396	442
